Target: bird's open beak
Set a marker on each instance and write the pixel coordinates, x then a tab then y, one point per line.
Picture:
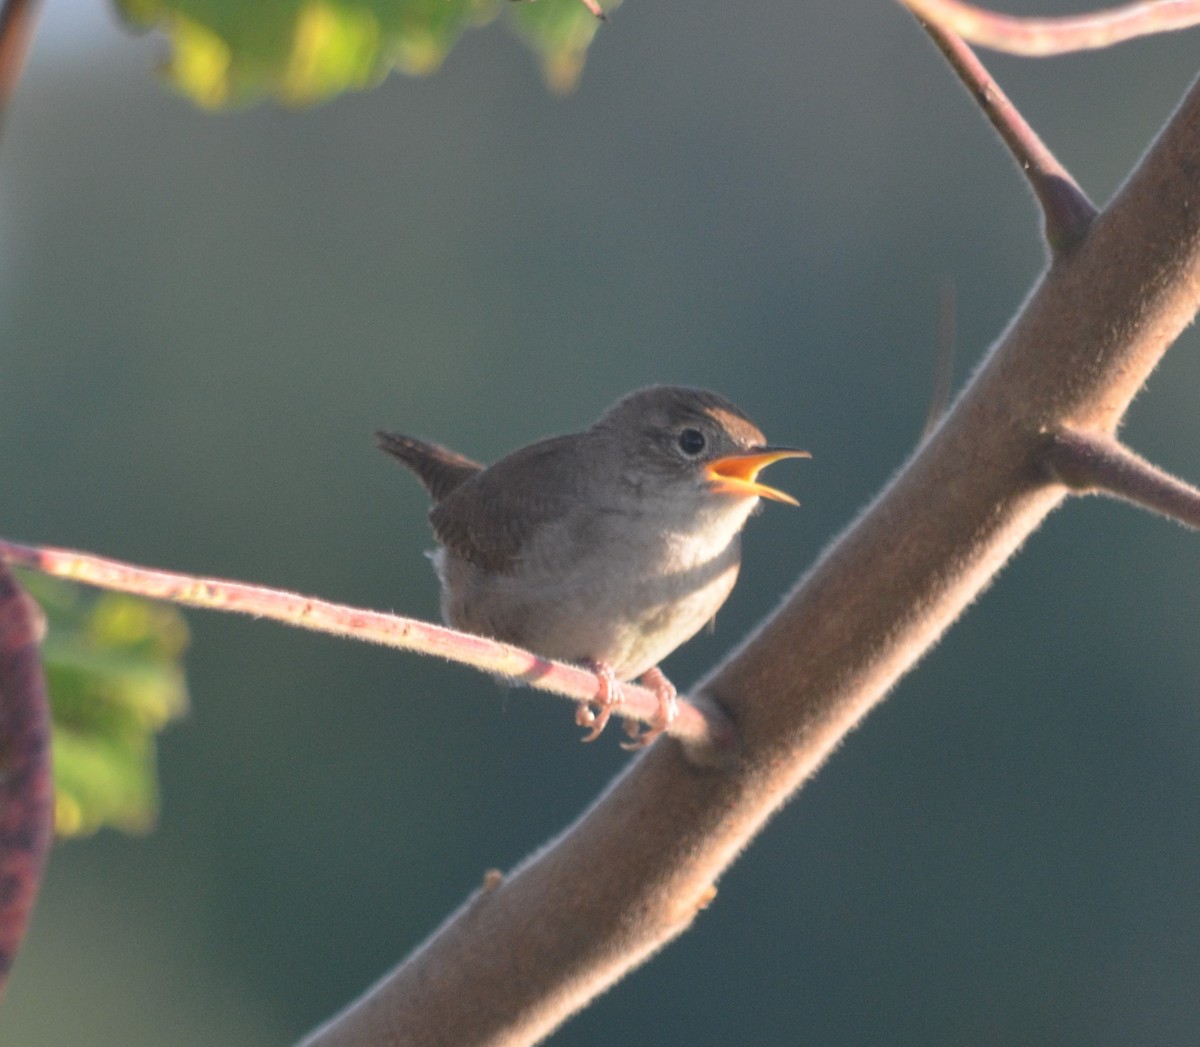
738	473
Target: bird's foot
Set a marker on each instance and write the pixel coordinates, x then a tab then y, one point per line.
668	709
608	694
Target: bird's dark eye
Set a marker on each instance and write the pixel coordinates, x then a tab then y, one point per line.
692	442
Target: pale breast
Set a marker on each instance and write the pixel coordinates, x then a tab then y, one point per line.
627	603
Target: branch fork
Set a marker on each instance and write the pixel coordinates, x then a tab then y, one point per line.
1095	463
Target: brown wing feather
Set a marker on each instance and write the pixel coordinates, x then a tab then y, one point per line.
438	468
488	519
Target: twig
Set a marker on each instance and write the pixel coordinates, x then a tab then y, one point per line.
698	728
1067	213
1097	463
1038	37
26	792
16	29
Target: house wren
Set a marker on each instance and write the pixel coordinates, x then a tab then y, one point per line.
609	547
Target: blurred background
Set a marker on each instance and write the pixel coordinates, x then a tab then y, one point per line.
204	317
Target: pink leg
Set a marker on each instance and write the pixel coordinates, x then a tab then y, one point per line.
608	694
668	709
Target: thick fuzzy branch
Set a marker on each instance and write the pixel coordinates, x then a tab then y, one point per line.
528	951
1038	37
701	729
1067	213
1099	463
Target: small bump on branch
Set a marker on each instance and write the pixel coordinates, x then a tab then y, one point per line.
1100	464
1039	37
1067	213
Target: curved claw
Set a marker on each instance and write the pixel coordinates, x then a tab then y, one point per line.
608	694
668	710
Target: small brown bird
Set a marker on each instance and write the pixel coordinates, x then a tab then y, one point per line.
609	547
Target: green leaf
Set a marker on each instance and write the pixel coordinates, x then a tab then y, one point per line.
113	670
227	52
560	34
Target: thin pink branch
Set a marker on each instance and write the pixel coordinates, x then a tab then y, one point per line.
1098	463
1038	37
699	728
1067	213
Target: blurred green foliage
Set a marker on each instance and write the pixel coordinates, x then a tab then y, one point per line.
303	51
113	671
